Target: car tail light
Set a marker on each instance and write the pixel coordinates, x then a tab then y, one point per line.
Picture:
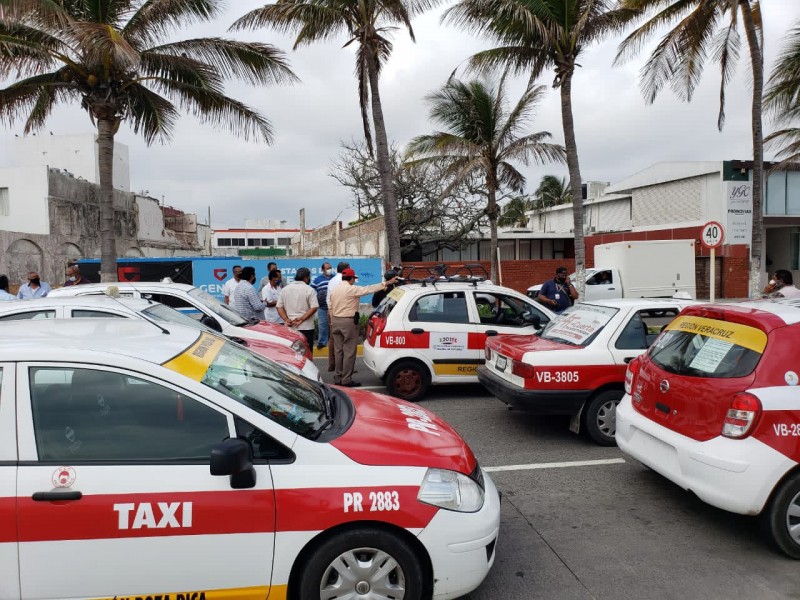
631	373
487	353
521	369
742	414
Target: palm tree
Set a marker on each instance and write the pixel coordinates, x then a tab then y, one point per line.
114	58
700	27
782	100
515	212
482	136
552	191
534	35
368	24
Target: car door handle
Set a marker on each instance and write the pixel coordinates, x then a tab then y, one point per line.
417	330
490	332
612	288
628	359
56	496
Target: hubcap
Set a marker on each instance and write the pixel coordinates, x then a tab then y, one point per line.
408	382
363	574
793	518
607	418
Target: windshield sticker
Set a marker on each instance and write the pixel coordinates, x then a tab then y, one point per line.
741	335
396	294
449	342
579	325
711	355
195	361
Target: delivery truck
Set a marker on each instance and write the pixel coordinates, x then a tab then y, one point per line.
643	269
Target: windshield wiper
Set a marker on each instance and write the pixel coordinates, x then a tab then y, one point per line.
323	427
562	340
328	401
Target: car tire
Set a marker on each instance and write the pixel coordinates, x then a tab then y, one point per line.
408	380
782	513
600	417
345	566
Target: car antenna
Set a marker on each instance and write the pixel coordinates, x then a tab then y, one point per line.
112	292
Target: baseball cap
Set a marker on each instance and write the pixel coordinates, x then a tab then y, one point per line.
348	273
389	274
561	270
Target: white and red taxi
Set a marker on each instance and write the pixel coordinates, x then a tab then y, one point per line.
576	366
435	332
139	463
96	307
199	305
714	406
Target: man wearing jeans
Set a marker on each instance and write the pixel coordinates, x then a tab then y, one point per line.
320	286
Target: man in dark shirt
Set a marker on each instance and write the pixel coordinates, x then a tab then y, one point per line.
558	293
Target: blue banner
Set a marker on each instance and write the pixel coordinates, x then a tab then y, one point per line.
210	274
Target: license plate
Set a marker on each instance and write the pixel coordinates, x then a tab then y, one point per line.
502	361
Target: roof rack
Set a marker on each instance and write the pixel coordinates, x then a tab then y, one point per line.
466	273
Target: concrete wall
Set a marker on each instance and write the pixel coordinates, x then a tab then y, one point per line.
685	201
74	153
27	199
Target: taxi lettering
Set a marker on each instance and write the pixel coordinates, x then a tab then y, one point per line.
171	515
185	596
557	376
379	501
418	420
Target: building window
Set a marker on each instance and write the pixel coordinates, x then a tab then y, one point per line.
223	241
284	241
237	242
267	242
5	208
253	242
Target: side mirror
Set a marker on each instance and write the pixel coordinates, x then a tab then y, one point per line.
532	319
233	457
211	323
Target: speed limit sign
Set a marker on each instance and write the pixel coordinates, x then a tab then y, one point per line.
712	235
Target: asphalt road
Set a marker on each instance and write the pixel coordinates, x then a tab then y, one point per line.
610	529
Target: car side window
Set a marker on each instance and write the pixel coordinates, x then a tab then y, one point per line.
633	337
644	327
92	415
501	309
445	307
30	315
94	314
170	300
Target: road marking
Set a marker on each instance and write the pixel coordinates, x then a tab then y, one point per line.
556	465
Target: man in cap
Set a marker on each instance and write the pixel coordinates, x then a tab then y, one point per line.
298	303
335	281
343	307
378	297
558	293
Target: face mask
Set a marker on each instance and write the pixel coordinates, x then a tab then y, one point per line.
35	281
329	272
73	278
772	282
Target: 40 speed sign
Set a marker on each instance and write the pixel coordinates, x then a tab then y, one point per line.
712	235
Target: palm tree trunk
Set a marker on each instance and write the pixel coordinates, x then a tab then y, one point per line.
491	212
574	178
757	63
384	164
108	241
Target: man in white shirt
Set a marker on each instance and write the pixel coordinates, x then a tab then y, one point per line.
270	295
230	285
786	288
298	303
335	280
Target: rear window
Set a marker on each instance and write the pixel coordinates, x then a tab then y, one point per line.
384	309
579	325
700	347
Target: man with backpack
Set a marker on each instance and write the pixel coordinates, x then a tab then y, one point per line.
320	286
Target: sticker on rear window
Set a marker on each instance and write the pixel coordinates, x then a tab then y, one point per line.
396	294
741	335
711	355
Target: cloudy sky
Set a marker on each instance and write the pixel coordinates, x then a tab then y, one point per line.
617	133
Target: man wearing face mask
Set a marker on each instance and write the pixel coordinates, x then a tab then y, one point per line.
74	276
35	288
558	293
245	298
320	286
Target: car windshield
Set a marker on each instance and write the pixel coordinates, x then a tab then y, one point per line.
218	308
165	314
579	325
700	347
288	399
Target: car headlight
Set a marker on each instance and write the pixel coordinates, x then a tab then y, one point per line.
450	490
299	347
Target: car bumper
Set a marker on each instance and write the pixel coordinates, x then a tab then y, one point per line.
567	402
734	475
371	356
461	546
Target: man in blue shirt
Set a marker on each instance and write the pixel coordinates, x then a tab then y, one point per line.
35	288
320	285
558	293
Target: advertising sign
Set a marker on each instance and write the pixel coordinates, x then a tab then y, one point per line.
738	212
210	274
578	324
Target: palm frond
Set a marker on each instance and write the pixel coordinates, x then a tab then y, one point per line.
102	45
25	49
252	62
35	97
783	88
362	75
313	21
152	115
155	19
726	53
509	177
